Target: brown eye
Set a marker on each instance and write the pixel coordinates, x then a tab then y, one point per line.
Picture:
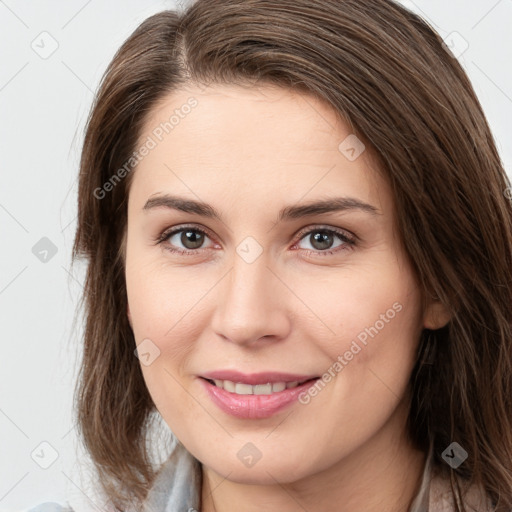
185	240
191	239
322	240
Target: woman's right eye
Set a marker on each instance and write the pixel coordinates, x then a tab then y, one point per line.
191	238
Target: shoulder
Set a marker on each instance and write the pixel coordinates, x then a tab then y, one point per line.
50	507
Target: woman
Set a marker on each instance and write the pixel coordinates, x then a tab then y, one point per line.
299	250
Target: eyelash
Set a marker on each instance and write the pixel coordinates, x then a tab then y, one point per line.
348	240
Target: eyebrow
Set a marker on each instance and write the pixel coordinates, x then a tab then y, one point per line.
335	204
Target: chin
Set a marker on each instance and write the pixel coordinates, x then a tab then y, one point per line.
260	473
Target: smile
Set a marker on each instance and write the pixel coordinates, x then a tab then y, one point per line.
258	401
241	388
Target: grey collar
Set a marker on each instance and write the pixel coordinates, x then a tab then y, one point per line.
177	485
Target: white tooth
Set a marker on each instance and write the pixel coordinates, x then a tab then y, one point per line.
262	389
229	386
278	386
243	389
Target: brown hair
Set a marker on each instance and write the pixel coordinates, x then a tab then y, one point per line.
386	72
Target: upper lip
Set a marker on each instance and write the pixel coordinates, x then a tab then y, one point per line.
256	378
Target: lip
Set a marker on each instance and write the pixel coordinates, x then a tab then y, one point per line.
256	378
253	406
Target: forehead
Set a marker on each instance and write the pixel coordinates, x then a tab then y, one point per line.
224	115
260	142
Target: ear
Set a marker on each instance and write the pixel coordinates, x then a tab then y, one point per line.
436	315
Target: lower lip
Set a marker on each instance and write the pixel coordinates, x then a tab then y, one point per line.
253	406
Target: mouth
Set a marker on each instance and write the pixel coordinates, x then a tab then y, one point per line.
255	401
269	388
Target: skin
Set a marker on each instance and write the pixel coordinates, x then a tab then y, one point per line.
249	152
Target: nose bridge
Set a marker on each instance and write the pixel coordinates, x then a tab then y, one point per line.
247	302
248	280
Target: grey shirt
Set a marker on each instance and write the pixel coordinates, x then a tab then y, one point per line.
178	487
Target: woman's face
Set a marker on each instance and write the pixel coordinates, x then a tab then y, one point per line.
261	281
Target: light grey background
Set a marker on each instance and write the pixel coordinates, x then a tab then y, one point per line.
44	101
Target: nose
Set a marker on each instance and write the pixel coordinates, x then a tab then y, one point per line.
252	304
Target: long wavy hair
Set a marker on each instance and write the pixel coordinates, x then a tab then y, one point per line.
387	74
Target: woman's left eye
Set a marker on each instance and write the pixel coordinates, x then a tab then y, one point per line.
320	239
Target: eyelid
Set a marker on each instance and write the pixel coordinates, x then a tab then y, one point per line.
167	232
323	227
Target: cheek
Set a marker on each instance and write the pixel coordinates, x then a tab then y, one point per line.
164	301
166	307
376	307
162	311
371	359
374	322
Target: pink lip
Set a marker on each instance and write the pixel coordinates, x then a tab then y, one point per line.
256	378
252	406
